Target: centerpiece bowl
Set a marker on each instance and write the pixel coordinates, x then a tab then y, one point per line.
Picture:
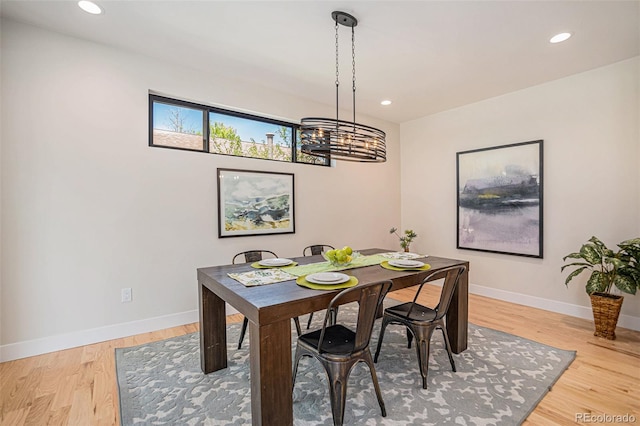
339	258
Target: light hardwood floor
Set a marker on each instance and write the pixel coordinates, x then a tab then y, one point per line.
78	386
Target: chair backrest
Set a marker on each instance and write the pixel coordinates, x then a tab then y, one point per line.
369	299
316	249
252	255
451	278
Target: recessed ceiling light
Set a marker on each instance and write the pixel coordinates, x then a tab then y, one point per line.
558	38
90	7
385	102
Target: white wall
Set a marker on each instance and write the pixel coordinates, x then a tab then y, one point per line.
88	208
590	124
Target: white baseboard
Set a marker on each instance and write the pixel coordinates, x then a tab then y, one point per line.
87	337
625	321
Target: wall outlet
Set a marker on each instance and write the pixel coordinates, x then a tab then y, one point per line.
125	295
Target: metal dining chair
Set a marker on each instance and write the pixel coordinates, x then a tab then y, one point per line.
312	251
316	249
249	257
339	348
421	321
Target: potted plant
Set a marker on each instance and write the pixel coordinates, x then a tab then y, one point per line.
406	238
609	269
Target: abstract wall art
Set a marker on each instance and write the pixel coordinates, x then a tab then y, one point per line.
499	193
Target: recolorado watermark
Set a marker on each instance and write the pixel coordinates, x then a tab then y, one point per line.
605	418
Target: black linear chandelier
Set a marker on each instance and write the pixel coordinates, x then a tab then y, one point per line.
339	139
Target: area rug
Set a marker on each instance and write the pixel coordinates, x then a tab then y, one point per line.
500	379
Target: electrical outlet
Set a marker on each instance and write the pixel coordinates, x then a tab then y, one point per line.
126	295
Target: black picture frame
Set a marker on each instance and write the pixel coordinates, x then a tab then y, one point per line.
500	199
252	202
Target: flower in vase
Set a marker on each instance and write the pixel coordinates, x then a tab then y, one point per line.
406	238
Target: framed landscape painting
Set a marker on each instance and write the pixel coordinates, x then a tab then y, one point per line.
255	203
499	193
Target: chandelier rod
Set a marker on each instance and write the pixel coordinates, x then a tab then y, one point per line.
353	79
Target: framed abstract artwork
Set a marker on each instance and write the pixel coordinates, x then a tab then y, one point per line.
499	193
255	203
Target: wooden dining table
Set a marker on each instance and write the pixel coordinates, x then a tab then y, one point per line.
270	308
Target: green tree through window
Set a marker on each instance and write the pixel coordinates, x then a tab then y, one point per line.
185	125
225	140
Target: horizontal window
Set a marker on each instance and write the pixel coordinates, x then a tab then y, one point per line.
184	125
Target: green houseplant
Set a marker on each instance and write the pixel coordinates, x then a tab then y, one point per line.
609	269
406	238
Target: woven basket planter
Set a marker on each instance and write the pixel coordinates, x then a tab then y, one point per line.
606	310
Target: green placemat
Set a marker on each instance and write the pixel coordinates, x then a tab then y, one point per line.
386	265
358	262
353	281
257	265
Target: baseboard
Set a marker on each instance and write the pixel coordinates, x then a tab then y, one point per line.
87	337
625	321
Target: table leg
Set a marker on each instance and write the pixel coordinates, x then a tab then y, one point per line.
213	331
458	315
271	382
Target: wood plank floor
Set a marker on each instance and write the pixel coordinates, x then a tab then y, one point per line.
78	386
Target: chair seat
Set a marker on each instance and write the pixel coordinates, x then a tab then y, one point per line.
418	313
338	340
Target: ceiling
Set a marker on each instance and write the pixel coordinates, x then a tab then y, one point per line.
425	56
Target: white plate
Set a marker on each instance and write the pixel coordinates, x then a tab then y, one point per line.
275	262
405	263
327	278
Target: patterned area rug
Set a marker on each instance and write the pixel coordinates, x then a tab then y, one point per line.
500	379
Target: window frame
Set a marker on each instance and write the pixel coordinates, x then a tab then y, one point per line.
206	128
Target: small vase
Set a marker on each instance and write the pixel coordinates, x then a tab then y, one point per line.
406	249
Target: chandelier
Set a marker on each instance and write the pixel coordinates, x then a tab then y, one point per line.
340	139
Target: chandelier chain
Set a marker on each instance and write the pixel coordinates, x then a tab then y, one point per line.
353	64
353	56
337	75
337	63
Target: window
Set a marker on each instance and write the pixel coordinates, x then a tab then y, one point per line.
184	125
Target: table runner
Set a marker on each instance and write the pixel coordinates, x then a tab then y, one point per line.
312	268
272	275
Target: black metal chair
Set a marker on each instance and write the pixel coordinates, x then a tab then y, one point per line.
420	321
316	249
252	255
249	257
339	348
311	251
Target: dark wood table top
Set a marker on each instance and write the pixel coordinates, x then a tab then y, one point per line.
268	303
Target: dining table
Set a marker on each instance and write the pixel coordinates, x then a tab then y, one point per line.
270	308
